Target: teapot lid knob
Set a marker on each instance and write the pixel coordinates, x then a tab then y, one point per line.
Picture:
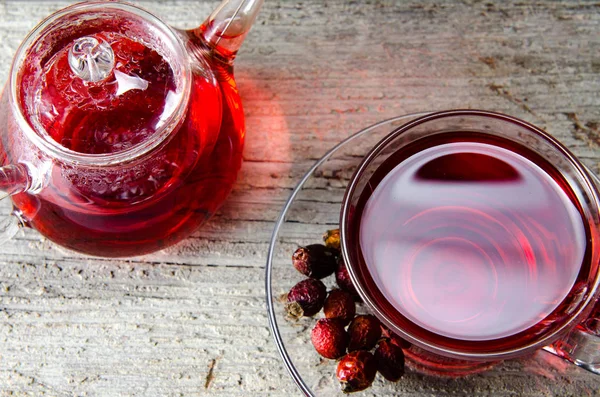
101	79
91	59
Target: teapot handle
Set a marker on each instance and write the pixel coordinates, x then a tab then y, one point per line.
582	345
14	178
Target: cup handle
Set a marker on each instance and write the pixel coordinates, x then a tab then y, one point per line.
14	178
582	345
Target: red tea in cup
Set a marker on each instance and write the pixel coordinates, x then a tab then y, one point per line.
470	240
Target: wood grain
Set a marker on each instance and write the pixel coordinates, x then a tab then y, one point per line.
191	320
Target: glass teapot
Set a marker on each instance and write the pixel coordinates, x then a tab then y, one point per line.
119	135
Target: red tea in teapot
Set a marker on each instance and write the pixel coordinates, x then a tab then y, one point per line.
136	206
105	116
472	237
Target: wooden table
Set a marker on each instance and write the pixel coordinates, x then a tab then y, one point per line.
191	320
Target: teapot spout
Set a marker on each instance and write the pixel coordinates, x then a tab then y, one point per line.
226	28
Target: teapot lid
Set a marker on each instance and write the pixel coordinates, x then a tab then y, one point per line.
100	78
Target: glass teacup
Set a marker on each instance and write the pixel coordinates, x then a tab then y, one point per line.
475	236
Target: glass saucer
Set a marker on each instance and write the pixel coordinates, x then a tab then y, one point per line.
314	207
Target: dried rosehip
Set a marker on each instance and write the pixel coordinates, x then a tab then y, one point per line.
356	371
343	278
329	338
390	360
332	239
340	305
395	339
364	332
306	298
315	260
